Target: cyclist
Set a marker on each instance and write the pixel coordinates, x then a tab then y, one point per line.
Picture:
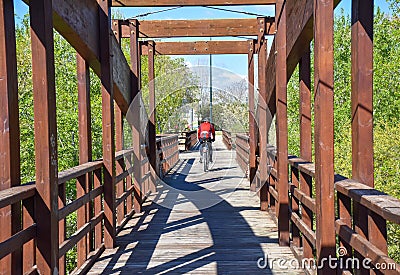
206	132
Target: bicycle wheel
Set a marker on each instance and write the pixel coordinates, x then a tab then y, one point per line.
205	161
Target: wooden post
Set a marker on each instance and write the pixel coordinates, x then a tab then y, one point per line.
252	121
366	224
295	208
324	170
271	158
108	124
85	150
362	91
135	113
306	142
263	107
97	208
46	159
10	216
62	225
152	119
29	248
282	127
119	136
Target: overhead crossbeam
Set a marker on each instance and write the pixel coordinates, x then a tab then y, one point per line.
167	3
198	47
200	28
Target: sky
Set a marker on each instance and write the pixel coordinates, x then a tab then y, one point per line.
235	63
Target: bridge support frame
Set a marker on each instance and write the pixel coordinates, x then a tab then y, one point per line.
252	119
282	127
119	136
152	118
46	158
108	123
366	223
263	117
306	142
324	129
83	186
135	113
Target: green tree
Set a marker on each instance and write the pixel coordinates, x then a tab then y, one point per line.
175	86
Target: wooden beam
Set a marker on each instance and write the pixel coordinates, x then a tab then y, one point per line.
134	114
85	151
10	216
46	159
119	135
252	115
306	141
168	3
323	129
200	28
367	224
152	116
362	92
262	123
76	22
198	48
108	123
282	127
271	79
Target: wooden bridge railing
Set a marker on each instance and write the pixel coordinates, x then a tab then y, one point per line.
227	139
381	208
188	139
168	152
242	151
88	237
21	244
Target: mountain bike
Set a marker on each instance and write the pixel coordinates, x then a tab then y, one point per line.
205	153
205	150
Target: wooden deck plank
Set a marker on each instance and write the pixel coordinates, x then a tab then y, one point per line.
198	223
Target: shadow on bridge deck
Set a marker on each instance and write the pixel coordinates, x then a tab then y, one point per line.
198	223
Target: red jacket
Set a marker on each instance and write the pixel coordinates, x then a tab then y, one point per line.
206	128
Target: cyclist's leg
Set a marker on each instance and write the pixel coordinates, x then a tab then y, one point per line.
201	151
210	151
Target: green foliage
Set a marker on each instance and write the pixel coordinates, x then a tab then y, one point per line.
342	94
24	67
386	69
175	86
293	113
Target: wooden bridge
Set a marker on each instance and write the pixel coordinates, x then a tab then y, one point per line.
128	219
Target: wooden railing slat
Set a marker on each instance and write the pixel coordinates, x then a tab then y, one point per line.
78	171
76	204
303	198
384	205
365	248
17	240
73	240
308	233
15	194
